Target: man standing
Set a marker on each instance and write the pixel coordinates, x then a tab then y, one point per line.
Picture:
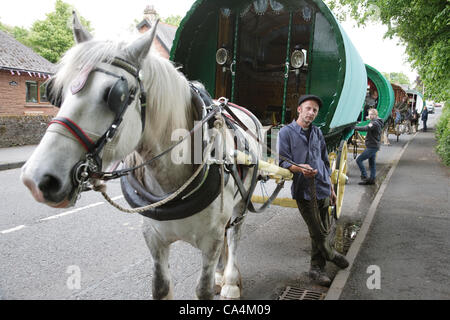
425	118
303	143
372	146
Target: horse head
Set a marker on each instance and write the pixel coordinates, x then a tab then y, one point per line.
101	96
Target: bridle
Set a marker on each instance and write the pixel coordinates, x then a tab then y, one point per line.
119	97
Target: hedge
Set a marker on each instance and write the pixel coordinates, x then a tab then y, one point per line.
443	135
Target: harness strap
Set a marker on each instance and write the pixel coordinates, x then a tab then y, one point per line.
76	131
117	174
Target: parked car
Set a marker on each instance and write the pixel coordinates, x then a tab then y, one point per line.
430	107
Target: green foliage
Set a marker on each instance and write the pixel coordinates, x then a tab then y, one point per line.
173	20
423	26
443	135
19	33
397	77
50	37
53	36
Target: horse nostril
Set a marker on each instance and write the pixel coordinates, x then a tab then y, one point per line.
49	184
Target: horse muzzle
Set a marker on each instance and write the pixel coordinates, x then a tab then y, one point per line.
48	189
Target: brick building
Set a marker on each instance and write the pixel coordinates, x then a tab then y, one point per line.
22	75
164	35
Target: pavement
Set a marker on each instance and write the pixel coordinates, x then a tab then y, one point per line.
15	157
400	252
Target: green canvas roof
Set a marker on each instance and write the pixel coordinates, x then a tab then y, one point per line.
386	97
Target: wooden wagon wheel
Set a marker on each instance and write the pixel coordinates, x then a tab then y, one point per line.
332	157
341	177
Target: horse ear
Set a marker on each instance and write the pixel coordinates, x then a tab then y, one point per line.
79	32
139	49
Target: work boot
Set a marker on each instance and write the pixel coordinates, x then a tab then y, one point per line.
340	261
330	254
319	276
367	182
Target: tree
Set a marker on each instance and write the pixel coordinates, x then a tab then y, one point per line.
173	20
397	77
419	86
423	26
19	33
52	37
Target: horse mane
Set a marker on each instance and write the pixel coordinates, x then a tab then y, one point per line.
168	99
168	109
80	57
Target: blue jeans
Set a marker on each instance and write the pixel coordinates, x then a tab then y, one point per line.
370	154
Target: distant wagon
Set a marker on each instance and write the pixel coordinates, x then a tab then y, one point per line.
416	100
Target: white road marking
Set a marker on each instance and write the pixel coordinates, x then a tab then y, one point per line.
72	211
79	209
60	215
13	229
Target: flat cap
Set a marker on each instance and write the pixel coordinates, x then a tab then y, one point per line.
307	97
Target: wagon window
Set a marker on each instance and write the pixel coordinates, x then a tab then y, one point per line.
32	91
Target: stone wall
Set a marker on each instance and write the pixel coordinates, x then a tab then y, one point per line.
22	130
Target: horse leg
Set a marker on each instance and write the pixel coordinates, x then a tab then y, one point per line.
162	287
210	257
232	282
221	266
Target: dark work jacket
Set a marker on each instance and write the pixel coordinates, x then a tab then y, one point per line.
424	114
293	144
374	129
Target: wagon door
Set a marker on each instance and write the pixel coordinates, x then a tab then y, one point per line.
258	43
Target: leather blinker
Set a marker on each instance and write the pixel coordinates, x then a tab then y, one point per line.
118	96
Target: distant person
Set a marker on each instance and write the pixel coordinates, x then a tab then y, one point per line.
425	118
373	137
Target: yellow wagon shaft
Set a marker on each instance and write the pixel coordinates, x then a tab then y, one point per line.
339	167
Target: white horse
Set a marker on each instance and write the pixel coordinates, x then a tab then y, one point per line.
84	82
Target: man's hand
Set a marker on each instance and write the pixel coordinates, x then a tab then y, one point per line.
305	169
333	198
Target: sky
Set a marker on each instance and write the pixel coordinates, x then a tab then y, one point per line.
112	19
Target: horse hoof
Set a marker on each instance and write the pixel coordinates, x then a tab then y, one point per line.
218	282
230	292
